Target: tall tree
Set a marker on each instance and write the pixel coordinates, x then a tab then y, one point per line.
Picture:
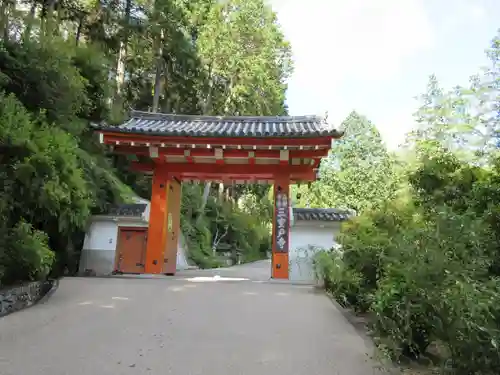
67	63
358	174
464	120
247	61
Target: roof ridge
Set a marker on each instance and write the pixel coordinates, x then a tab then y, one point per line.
201	118
177	125
321	214
331	209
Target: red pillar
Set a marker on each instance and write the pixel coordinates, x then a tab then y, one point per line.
174	192
157	223
281	227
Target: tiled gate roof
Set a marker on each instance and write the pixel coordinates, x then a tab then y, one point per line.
217	126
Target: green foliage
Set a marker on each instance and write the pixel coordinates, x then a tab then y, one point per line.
43	183
471	325
358	174
24	254
61	69
224	226
425	265
342	282
42	76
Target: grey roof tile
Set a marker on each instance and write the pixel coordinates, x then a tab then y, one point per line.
321	214
132	210
216	126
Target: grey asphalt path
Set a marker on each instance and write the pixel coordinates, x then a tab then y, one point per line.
256	271
113	326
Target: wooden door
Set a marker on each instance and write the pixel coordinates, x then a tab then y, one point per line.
131	250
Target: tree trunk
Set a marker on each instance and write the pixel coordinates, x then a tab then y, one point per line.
206	193
30	20
5	19
120	67
47	19
221	190
159	69
79	31
206	110
122	54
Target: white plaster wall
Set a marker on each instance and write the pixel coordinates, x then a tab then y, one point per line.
103	232
145	214
101	235
99	247
182	263
302	236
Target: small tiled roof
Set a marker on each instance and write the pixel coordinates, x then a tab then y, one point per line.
216	126
321	214
132	210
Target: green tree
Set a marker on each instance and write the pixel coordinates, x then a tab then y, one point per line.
358	174
426	264
64	65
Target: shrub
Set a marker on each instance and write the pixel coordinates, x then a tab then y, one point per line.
470	324
424	269
404	315
25	255
343	283
363	245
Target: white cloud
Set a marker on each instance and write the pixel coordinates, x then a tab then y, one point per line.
336	41
342	48
464	13
331	38
394	126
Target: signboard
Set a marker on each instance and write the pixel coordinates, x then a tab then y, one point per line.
281	223
170	222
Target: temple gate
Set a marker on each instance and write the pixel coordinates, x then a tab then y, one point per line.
176	148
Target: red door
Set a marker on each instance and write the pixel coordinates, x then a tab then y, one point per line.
131	250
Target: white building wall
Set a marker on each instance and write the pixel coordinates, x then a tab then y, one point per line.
101	235
303	236
182	262
99	247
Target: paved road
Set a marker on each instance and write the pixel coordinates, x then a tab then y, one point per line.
256	271
115	326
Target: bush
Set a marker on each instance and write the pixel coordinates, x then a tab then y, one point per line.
470	324
342	282
25	255
198	243
404	315
363	245
426	268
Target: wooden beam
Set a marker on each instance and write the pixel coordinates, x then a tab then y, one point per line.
219	156
284	157
251	157
112	138
243	154
310	176
227	172
187	154
230	169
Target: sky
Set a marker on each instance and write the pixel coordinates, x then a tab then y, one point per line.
375	56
